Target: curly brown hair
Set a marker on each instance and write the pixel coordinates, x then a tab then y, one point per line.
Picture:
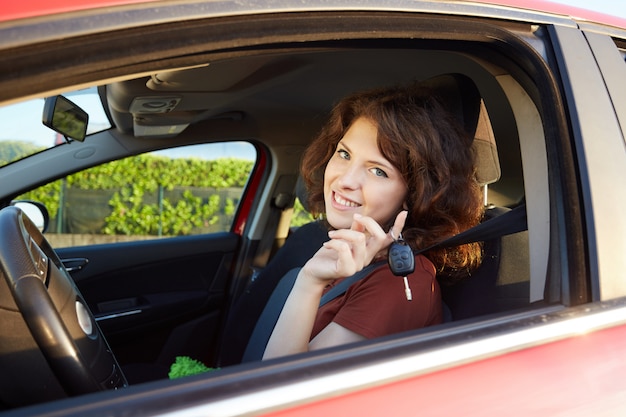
427	144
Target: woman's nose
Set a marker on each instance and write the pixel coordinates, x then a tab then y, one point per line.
350	178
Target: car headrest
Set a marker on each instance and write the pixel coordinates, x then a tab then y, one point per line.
461	97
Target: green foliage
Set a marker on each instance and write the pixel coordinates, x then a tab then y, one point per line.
154	171
131	216
186	366
48	194
229	207
300	215
12	150
155	195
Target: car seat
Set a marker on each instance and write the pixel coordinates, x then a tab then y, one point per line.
502	282
481	293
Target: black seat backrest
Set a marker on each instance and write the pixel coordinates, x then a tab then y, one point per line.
300	246
500	283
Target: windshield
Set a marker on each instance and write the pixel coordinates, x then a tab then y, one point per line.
23	134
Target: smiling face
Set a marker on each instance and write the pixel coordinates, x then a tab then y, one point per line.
359	179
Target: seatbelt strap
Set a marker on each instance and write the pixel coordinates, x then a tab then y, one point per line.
512	221
343	285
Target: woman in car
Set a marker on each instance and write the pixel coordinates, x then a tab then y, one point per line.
389	162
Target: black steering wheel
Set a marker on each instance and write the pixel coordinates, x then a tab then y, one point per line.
50	344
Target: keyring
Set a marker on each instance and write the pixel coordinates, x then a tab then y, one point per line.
393	237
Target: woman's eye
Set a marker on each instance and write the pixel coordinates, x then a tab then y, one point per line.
343	154
379	172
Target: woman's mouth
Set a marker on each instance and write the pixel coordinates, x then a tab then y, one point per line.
343	202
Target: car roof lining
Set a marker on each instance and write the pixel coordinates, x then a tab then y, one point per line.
184	43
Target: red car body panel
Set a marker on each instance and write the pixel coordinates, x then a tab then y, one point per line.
500	386
495	386
35	8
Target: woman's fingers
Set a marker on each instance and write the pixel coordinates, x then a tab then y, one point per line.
398	224
350	250
342	262
377	238
350	243
356	225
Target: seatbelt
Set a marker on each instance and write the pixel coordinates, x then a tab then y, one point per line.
511	222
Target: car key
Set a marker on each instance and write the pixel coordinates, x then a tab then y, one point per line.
401	262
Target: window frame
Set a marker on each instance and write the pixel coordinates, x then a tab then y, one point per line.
564	199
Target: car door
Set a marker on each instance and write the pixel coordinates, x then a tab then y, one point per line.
150	241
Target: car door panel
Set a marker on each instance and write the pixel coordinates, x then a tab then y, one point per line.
159	298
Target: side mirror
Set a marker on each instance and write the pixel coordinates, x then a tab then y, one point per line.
36	212
65	117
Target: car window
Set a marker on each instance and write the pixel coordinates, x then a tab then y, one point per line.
175	192
23	134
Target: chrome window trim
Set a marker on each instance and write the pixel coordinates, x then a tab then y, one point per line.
587	26
117	315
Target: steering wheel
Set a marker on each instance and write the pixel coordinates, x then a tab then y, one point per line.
50	344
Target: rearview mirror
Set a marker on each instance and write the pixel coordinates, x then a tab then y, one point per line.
65	117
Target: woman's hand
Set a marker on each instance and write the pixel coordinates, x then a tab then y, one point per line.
347	252
350	250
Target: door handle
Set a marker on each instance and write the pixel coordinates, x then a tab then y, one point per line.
74	264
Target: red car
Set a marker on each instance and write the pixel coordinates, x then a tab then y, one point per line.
168	187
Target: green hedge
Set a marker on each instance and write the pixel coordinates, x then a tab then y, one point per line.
149	195
12	150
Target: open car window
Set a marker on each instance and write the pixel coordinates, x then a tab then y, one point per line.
179	191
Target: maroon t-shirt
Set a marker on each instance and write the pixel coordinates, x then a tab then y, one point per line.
377	306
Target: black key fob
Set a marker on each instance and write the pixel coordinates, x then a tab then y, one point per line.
401	259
